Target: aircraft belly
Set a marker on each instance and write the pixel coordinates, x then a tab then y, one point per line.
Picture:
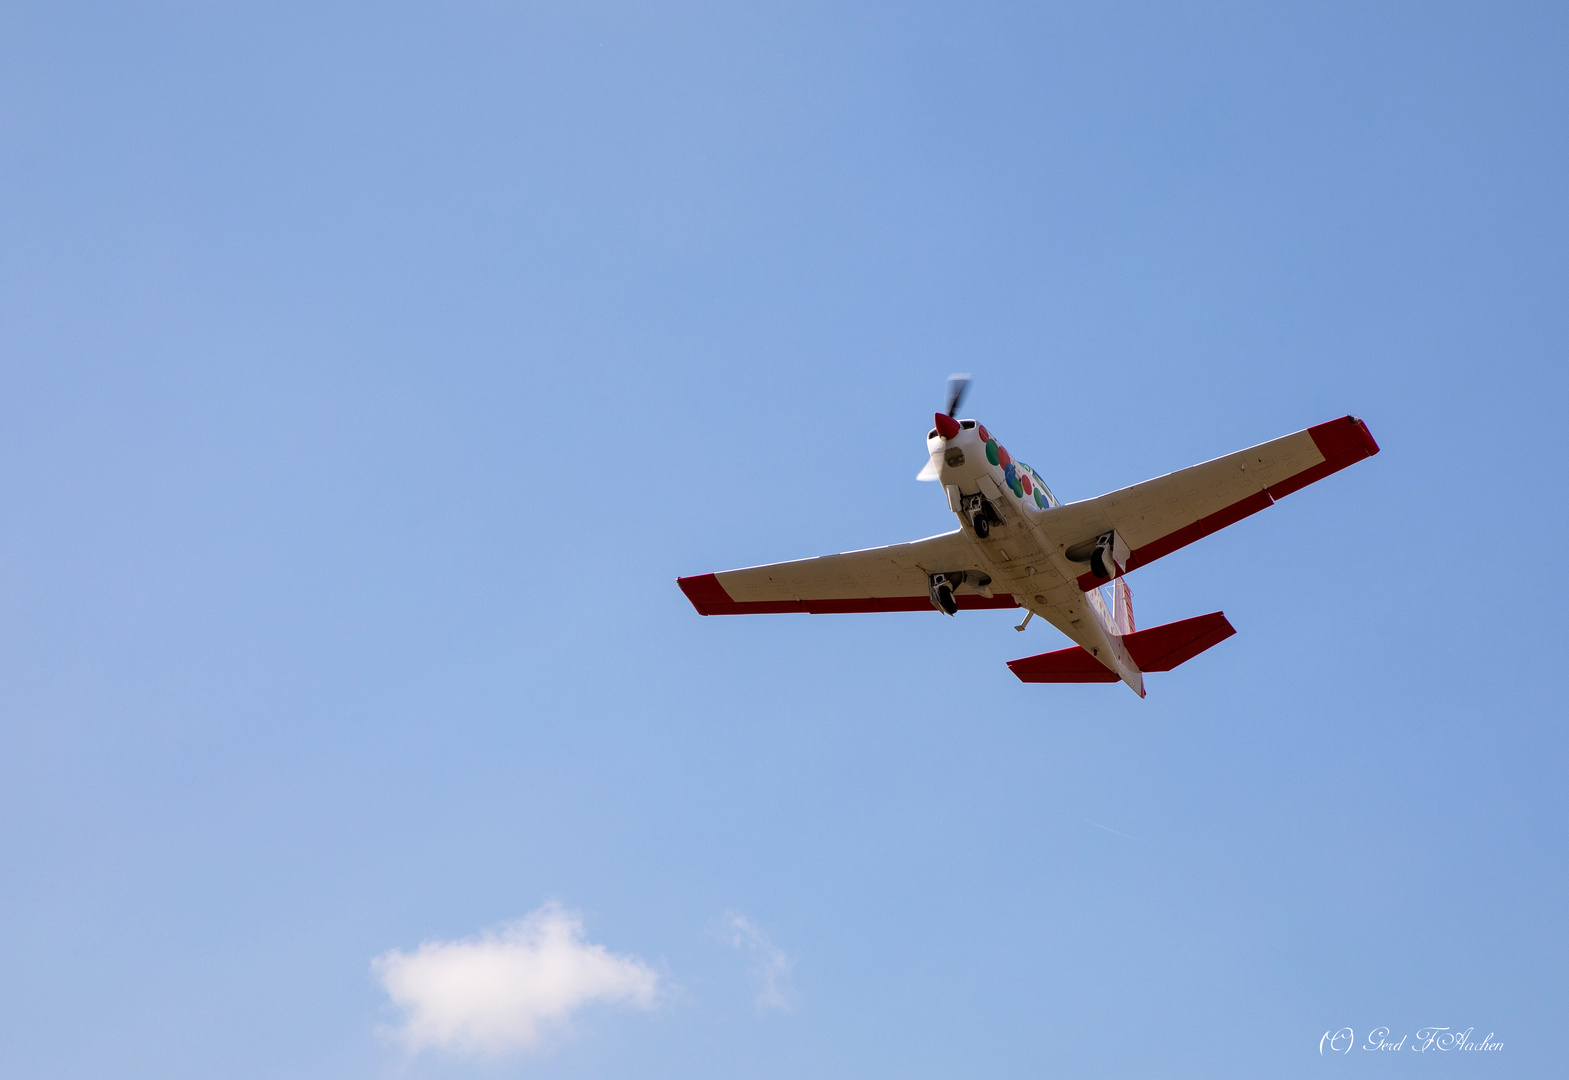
1014	559
1023	560
1075	619
1071	612
1034	570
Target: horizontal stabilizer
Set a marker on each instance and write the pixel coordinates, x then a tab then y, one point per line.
1160	648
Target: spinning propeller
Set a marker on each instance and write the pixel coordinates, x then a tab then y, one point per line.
958	386
947	424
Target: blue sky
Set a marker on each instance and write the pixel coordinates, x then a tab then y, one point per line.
368	374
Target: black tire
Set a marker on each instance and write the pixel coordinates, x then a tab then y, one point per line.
945	600
1098	564
983	527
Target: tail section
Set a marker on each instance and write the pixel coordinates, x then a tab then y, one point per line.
1160	648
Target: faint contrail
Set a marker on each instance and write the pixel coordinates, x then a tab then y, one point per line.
1109	829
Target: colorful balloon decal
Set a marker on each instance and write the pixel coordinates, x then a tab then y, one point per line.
1024	481
1010	473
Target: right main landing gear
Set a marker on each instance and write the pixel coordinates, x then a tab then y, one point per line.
1100	562
943	586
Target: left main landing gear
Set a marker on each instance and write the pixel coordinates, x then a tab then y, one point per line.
943	586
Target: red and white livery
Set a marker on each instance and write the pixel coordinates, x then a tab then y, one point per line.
1017	546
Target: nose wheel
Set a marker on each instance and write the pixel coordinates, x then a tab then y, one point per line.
981	515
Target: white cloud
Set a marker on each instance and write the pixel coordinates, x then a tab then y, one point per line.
772	969
507	988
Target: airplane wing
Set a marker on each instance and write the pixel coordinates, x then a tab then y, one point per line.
1159	516
890	578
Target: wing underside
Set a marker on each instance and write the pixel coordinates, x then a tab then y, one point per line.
1169	512
893	578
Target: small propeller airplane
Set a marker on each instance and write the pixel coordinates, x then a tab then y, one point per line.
1018	546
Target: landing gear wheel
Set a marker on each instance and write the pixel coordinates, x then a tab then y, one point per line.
1098	563
945	600
983	527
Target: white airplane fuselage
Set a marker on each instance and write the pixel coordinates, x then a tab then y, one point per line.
1004	510
1016	545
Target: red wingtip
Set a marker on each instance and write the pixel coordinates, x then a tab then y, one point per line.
947	426
706	594
1347	437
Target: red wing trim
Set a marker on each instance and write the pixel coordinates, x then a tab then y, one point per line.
1343	442
709	598
1348	435
1160	648
706	594
1186	535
